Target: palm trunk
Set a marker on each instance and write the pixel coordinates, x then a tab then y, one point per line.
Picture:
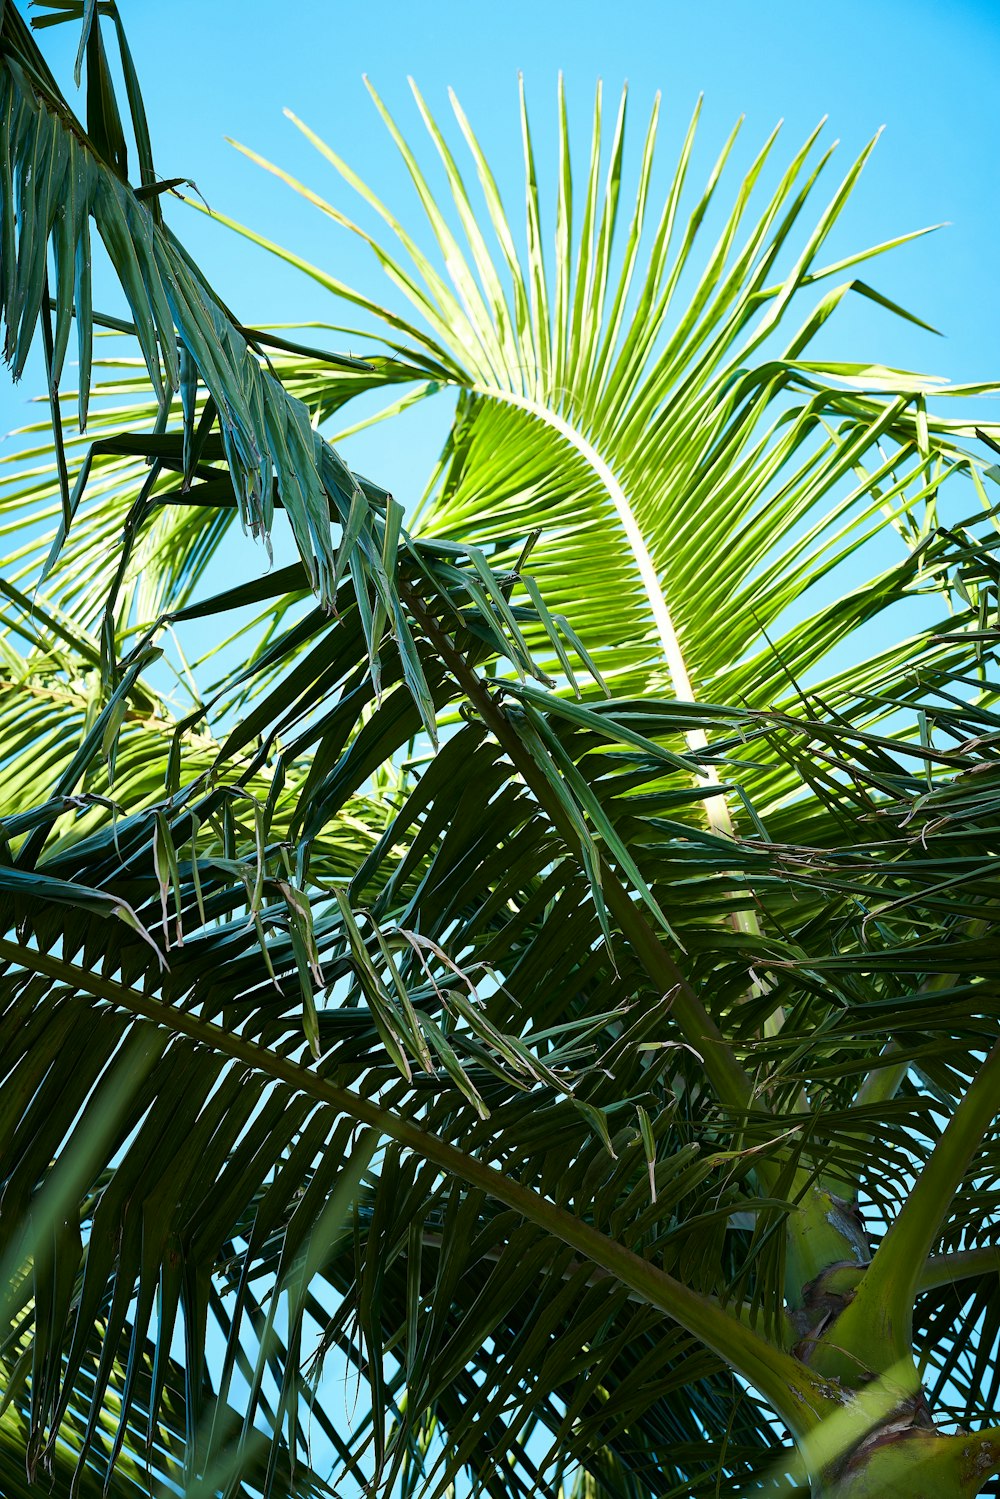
912	1463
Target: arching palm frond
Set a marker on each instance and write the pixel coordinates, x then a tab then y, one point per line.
700	479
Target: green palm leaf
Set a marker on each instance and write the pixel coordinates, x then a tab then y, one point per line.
56	179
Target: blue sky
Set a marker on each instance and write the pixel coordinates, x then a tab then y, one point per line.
927	71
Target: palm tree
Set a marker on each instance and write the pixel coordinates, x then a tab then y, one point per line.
560	1001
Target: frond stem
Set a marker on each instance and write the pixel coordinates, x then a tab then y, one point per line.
716	807
880	1317
665	627
962	1264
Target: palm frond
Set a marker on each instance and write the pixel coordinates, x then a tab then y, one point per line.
698	480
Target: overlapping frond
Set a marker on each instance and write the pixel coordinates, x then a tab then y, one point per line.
446	994
57	180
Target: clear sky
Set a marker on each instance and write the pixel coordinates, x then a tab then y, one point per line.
926	69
